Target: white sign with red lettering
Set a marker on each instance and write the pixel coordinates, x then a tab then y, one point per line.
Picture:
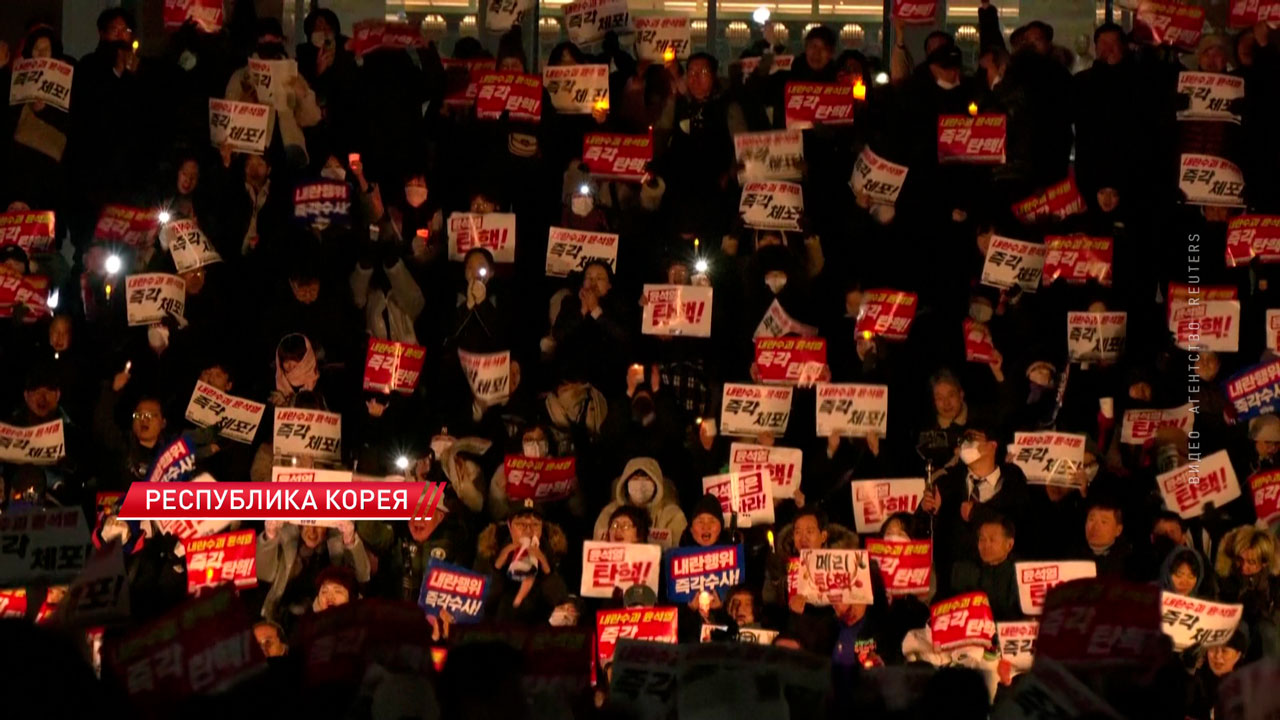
569	251
1209	180
33	445
152	297
1047	458
877	178
751	410
188	245
852	409
1273	331
771	205
308	433
1210	95
270	79
781	63
1018	643
781	465
1207	325
1035	579
577	89
241	125
1012	262
495	232
834	576
500	15
660	39
588	21
875	500
771	155
1096	337
489	375
43	80
236	418
747	494
1139	426
1192	621
677	310
1186	490
609	565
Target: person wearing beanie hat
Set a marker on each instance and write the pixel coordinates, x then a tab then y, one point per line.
1213	54
521	557
334	586
706	525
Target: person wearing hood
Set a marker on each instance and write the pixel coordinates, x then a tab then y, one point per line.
297	369
460	463
521	557
577	410
292	560
1185	572
328	67
292	110
643	485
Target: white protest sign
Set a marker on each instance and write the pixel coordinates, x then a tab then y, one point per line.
1272	332
34	445
1139	426
46	546
660	39
1209	180
309	475
236	418
1210	95
677	310
781	63
589	20
495	232
569	251
270	79
877	178
609	565
771	205
772	155
747	494
100	594
852	409
152	297
1018	643
41	80
241	125
1047	458
1206	325
834	576
875	500
188	245
500	15
750	410
1095	337
1012	262
781	465
577	89
1186	490
1036	579
776	323
489	375
308	433
1192	621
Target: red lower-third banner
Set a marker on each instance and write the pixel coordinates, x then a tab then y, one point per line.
376	500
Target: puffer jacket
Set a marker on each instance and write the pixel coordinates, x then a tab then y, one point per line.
389	313
549	589
467	481
664	509
775	577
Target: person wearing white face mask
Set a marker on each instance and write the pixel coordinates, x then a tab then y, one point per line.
642	485
534	442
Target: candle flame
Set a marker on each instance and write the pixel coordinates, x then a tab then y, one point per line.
859	90
973	108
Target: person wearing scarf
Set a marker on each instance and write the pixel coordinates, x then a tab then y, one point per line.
296	368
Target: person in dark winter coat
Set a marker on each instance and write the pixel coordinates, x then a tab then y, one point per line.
994	572
521	557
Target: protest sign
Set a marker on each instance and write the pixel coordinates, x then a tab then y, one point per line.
1207	325
489	375
1018	643
175	462
747	494
569	251
186	529
216	559
771	155
236	418
1209	180
392	366
13	604
610	565
877	178
543	479
971	139
462	79
1048	458
814	103
776	323
30	230
1169	23
656	624
771	205
694	569
43	547
577	89
915	12
677	310
781	465
1265	486
588	21
308	433
206	14
1192	621
310	475
495	232
32	445
905	565
126	225
1012	262
28	291
1100	622
1247	13
518	95
1210	96
751	636
453	588
875	500
614	156
660	37
1139	426
852	409
750	410
152	297
1077	259
45	80
1187	489
790	360
241	126
270	79
370	35
1272	332
188	245
1036	579
830	576
781	63
1255	391
978	345
887	313
1096	337
962	621
1253	236
1057	202
100	594
500	15
321	203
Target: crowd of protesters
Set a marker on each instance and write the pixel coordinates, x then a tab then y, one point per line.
285	318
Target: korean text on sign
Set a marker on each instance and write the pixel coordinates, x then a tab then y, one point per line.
781	465
1247	13
489	375
971	139
33	445
614	156
1048	458
43	80
1035	579
30	230
1210	96
1209	180
495	232
500	15
887	313
236	418
456	589
877	178
875	500
392	366
835	576
188	245
462	79
962	620
809	104
747	494
517	94
127	225
1253	236
677	310
322	203
1056	202
577	89
1265	487
1255	391
750	410
29	291
1018	643
773	205
1187	489
241	125
979	346
776	323
206	14
1012	262
1170	23
152	297
176	462
781	63
790	360
370	35
694	569
609	565
48	546
270	79
1207	325
1139	426
216	559
658	37
569	250
1077	259
915	12
904	564
544	479
852	409
656	624
589	21
771	155
308	433
1192	621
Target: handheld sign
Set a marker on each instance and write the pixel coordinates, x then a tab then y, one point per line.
216	559
462	79
1207	325
176	462
1077	259
1212	181
43	80
750	410
1048	458
1255	391
852	409
236	418
188	245
613	156
746	494
101	593
370	35
589	21
271	78
308	433
1211	96
501	15
1012	262
152	297
1057	202
979	347
577	89
886	313
609	565
1247	13
694	569
781	465
206	14
915	12
656	624
1036	579
1253	236
456	589
1191	621
489	375
964	620
242	125
905	565
877	178
658	36
1096	337
781	63
543	479
1139	426
977	140
321	203
33	445
875	500
495	232
772	155
569	251
834	576
29	291
33	231
790	360
1265	487
126	225
392	366
1187	489
810	103
777	323
677	310
43	546
772	205
1272	332
1018	643
1169	23
516	94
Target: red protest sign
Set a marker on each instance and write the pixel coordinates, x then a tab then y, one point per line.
135	227
392	366
13	604
370	35
1266	495
338	644
543	479
31	231
1169	23
1253	236
462	79
517	94
887	313
961	621
790	360
616	156
915	12
978	346
1247	13
31	291
809	104
1058	202
206	14
1077	259
904	564
653	624
216	559
976	140
1096	620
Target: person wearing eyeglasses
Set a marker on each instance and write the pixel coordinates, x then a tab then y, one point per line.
521	557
